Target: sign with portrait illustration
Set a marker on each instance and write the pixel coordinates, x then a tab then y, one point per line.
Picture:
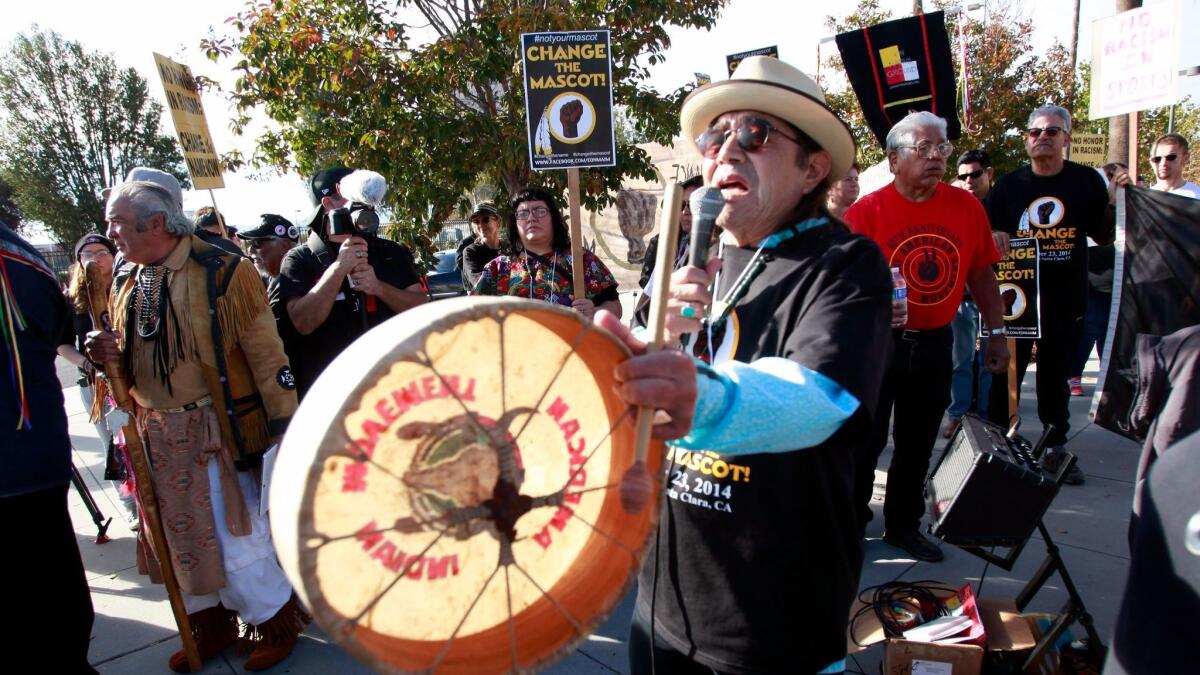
569	100
1017	276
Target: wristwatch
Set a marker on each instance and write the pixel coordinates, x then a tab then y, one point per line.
996	332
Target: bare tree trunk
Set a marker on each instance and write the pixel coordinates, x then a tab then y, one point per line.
917	8
1118	127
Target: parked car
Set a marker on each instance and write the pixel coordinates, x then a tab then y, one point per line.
445	280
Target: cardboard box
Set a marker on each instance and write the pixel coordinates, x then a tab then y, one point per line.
1007	631
902	657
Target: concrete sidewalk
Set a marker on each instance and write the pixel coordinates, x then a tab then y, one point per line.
134	630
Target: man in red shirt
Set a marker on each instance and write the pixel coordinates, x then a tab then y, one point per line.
939	238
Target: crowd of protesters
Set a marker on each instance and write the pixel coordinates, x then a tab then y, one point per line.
805	386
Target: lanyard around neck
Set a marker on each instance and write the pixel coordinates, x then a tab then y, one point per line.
758	263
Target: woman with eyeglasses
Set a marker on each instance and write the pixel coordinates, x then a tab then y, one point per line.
539	268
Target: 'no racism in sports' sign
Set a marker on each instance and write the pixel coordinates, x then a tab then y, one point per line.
569	100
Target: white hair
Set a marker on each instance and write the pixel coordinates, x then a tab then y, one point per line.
905	131
1051	110
147	198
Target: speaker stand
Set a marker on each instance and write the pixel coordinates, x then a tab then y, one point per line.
1074	609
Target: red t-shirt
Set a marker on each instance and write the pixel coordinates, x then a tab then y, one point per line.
936	244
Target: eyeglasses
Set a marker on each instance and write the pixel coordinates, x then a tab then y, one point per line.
1159	158
925	150
1050	132
751	134
536	212
973	175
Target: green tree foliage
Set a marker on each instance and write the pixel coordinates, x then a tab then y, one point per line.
1007	79
353	81
74	123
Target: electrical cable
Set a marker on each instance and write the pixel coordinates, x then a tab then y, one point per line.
886	599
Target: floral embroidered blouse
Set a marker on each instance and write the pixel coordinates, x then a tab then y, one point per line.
528	275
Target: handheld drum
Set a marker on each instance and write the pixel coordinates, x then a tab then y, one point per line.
445	499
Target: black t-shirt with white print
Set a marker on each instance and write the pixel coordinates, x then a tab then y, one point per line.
1061	212
759	555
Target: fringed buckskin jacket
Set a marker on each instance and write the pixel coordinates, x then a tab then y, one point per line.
233	330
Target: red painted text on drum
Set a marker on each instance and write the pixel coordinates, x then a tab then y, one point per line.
578	476
389	408
414	566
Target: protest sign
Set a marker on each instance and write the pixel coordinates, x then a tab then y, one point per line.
734	60
1135	60
569	100
1089	149
1017	276
190	124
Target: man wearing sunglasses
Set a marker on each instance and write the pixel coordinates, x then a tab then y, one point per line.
759	507
970	383
1169	156
1061	204
939	239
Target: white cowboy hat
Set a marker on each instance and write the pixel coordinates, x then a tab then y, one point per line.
766	84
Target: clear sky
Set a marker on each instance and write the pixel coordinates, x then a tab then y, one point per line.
133	29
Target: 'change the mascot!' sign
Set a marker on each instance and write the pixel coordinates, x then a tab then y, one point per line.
1017	275
568	99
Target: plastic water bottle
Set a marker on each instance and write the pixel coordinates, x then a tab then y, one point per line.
899	299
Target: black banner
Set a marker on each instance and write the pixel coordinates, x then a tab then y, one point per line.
901	66
733	60
1017	275
1158	249
568	100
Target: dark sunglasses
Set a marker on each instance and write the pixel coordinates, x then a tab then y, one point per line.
1158	158
1050	132
973	175
751	134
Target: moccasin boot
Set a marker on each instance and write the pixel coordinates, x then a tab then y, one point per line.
275	638
215	629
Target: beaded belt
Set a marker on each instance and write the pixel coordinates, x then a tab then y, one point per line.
199	403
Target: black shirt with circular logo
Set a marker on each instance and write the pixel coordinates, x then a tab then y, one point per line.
352	314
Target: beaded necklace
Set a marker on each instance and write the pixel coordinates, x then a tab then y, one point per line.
533	276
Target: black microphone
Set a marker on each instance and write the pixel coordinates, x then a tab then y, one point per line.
706	204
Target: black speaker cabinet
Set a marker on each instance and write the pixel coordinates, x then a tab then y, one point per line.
980	494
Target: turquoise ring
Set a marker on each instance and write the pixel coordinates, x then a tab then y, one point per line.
688	312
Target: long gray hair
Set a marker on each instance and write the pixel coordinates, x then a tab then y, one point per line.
147	198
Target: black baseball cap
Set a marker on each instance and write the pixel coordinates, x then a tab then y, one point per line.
272	226
484	209
324	184
94	238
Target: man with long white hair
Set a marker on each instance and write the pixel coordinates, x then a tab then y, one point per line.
939	239
214	392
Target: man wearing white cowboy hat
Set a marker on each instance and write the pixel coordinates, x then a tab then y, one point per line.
758	555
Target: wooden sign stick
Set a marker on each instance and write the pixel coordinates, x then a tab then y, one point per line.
577	284
636	485
119	386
